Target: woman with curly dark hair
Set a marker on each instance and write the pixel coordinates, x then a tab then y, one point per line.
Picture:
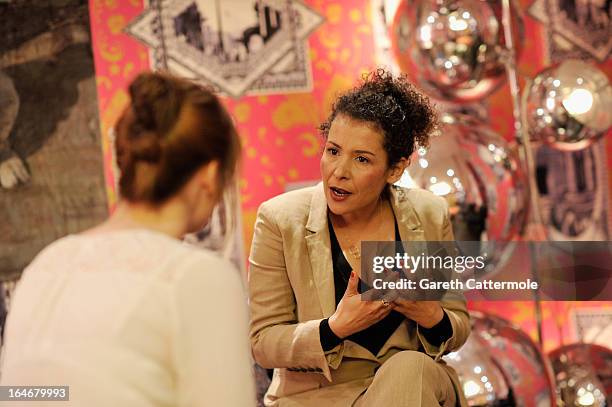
328	347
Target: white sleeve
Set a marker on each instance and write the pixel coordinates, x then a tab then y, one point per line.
211	347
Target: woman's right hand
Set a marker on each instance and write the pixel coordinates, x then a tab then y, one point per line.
353	314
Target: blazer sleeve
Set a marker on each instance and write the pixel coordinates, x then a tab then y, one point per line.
278	340
455	308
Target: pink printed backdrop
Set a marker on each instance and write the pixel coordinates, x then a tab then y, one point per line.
279	132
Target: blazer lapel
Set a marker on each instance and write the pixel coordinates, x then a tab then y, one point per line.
408	222
410	229
319	251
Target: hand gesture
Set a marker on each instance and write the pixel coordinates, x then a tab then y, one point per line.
353	314
425	313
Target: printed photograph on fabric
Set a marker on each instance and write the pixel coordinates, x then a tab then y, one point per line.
51	171
238	47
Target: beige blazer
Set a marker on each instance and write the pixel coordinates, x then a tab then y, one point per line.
291	289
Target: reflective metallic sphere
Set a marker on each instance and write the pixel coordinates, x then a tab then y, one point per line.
500	365
478	174
452	48
482	380
569	105
584	374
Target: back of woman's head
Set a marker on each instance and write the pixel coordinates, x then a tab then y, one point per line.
171	128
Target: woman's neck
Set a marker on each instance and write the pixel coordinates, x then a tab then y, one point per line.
163	219
361	220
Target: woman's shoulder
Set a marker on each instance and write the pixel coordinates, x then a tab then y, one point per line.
291	206
203	265
301	196
139	251
205	279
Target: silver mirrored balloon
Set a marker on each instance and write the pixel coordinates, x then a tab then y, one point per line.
478	174
452	48
500	365
482	380
583	373
569	105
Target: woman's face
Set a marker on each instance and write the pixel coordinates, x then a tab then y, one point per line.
354	166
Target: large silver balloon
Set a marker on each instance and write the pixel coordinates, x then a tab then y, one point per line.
569	105
584	374
500	365
478	174
482	380
452	48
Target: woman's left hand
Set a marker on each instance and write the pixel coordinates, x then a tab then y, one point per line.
425	313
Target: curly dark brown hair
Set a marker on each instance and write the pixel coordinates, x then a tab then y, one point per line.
404	115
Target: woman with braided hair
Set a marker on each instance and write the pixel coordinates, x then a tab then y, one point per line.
327	346
125	314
